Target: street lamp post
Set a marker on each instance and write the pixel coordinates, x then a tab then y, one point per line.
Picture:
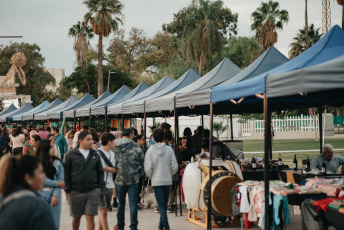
109	80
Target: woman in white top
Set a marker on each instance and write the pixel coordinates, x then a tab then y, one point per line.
17	141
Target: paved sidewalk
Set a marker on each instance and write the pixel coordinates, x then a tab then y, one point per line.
148	220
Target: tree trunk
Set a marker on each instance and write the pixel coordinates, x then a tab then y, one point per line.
201	59
200	64
343	16
100	66
306	26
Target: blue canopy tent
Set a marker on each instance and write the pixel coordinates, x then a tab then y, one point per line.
8	110
186	79
19	117
314	86
70	113
270	59
121	92
83	101
327	48
157	87
44	115
9	116
101	110
30	116
222	72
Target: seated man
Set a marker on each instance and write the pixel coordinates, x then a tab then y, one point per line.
332	161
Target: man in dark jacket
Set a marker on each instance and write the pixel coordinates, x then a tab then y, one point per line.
130	161
84	178
60	141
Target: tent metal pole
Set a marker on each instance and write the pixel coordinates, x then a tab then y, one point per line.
231	120
320	128
267	140
122	122
122	118
144	127
210	166
176	144
106	119
74	121
89	118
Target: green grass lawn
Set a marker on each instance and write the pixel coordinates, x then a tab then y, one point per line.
285	145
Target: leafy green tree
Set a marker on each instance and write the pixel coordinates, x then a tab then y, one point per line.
162	48
242	51
267	19
202	28
36	77
82	33
126	54
177	67
104	17
84	79
299	44
142	57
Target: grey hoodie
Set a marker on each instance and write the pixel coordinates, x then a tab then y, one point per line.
160	164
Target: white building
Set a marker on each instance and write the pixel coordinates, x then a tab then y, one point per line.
58	74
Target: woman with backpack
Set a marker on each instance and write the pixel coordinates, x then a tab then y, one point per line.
20	205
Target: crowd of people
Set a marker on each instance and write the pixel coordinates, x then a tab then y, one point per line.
97	172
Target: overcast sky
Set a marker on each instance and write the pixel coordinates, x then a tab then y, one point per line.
46	22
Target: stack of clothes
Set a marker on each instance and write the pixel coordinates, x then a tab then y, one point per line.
331	187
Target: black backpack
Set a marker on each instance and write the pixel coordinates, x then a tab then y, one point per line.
225	151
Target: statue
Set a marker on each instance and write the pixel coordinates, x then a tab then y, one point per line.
18	60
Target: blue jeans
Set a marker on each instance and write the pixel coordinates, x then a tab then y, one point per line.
56	210
162	194
122	191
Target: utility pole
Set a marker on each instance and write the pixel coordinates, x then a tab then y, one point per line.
326	16
109	80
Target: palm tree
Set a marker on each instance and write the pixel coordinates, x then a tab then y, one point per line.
219	128
104	17
299	44
82	34
267	19
306	23
203	37
341	2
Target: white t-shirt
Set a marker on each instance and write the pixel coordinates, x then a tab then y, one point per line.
84	152
108	178
17	141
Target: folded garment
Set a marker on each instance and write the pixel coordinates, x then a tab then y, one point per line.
337	203
324	203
